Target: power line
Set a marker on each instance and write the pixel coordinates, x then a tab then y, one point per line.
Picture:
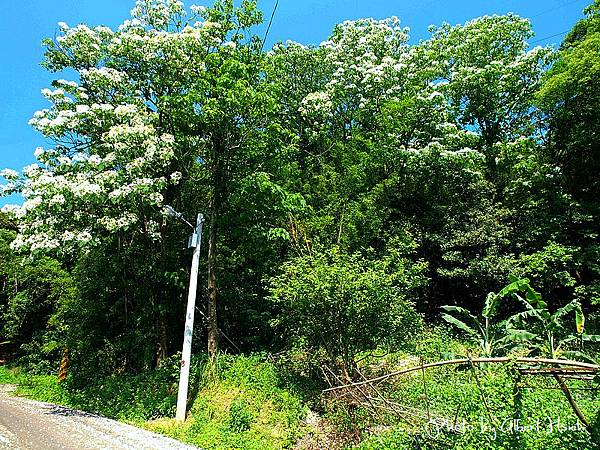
549	37
553	9
547	11
269	26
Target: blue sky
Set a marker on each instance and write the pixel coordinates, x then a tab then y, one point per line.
25	23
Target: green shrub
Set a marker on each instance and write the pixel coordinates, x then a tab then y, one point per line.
10	375
344	304
241	402
240	418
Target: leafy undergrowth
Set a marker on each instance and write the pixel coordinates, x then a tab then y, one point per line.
241	403
245	407
482	409
474	407
39	387
248	402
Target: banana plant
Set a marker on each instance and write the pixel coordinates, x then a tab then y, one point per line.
490	335
535	328
538	329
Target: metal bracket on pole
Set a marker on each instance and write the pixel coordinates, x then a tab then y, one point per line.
193	240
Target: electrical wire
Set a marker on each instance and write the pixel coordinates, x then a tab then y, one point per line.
549	37
556	8
547	11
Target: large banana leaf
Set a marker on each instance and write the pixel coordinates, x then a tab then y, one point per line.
460	310
519	335
521	316
591	337
459	324
571	306
579	319
577	355
516	285
527	305
491	304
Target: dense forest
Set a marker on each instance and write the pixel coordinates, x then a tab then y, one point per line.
359	195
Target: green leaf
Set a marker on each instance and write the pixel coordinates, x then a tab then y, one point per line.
527	305
579	319
520	335
577	355
459	310
491	303
565	310
517	285
515	318
459	324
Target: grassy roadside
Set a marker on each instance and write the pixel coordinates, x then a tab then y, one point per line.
247	406
255	404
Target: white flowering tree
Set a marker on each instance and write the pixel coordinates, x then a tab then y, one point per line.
169	106
392	146
489	74
414	135
365	101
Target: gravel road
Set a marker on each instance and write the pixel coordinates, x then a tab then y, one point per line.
30	425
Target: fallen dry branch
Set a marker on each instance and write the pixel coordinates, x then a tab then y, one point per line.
579	373
592	368
572	402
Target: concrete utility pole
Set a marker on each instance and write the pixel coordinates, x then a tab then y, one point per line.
186	353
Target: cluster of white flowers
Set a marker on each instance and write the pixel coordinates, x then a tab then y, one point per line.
154	230
57	199
289	47
464	153
67	83
32	170
9	174
136	131
103	30
157	13
176	177
316	102
11	210
50	242
107	74
119	223
52	123
76	34
57	96
12	178
196	9
146	189
84	188
128	24
82	109
369	60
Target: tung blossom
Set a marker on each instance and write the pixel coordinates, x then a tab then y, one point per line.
197	9
9	174
176	177
82	109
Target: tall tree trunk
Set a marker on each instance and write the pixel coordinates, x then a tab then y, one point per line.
213	329
163	341
214	206
163	345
